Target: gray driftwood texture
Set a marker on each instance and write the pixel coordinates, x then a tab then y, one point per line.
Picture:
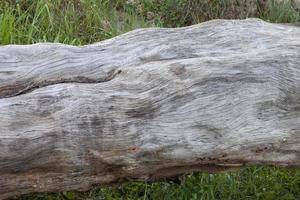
148	104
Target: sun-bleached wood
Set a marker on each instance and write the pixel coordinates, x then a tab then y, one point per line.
148	104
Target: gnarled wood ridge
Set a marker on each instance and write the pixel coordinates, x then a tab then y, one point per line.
148	104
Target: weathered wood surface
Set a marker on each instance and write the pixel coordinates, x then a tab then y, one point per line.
148	104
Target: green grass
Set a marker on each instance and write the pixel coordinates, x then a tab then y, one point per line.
80	22
71	23
265	183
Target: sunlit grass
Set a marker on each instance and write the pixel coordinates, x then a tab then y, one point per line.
80	22
75	22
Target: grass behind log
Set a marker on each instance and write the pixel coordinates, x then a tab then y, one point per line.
79	22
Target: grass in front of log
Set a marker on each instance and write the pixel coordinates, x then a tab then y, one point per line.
79	22
266	183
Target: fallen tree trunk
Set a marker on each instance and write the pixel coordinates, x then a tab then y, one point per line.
148	104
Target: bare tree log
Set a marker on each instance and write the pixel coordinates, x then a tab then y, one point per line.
148	104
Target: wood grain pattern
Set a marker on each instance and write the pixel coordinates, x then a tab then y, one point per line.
148	104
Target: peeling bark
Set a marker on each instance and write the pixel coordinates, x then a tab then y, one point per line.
148	104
